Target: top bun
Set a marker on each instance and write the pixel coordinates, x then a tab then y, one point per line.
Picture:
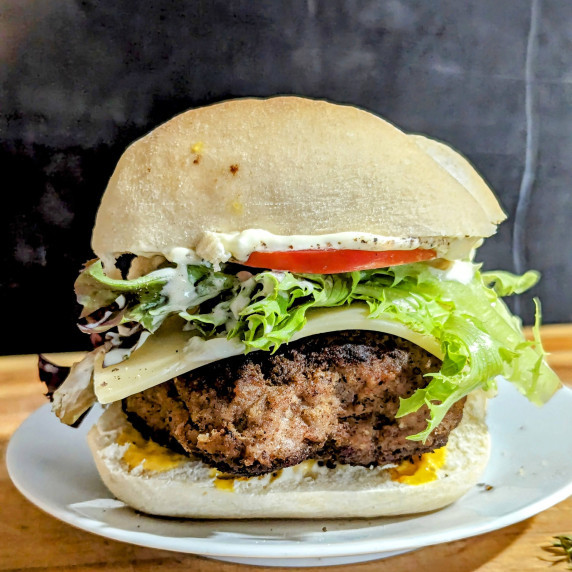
289	166
464	172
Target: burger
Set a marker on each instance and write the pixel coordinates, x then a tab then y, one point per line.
287	320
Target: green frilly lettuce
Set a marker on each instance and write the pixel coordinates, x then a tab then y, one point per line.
480	339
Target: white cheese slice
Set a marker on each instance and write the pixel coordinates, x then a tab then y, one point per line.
172	351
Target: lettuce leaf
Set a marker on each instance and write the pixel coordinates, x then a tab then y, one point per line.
505	283
146	300
480	339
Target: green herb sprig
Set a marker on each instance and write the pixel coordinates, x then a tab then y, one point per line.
561	549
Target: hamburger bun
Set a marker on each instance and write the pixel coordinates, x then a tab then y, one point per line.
190	490
291	167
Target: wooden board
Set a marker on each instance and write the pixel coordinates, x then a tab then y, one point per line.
30	539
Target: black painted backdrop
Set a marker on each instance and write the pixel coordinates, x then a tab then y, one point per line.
80	80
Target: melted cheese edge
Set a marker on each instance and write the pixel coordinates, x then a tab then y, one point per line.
171	351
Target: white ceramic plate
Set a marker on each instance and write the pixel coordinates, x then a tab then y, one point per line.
530	470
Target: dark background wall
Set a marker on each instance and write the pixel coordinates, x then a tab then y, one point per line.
80	80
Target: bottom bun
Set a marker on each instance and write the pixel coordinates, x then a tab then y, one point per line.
193	490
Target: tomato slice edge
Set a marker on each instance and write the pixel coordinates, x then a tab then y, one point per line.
332	261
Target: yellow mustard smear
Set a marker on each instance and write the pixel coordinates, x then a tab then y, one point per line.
420	471
154	457
225	482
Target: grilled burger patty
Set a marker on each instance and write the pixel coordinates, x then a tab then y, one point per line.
331	397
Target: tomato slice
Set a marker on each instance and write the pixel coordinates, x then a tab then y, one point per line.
334	261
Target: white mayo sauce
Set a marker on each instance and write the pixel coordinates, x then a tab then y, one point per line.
218	247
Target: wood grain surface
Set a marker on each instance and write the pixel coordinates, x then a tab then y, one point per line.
32	540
